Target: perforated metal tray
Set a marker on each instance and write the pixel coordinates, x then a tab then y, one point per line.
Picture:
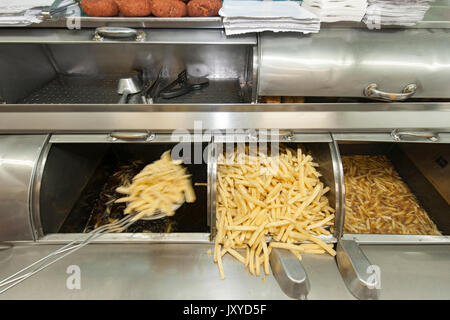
103	90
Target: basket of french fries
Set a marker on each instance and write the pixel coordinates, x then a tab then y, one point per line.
158	190
267	201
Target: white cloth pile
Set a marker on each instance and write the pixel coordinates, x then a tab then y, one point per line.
395	12
257	16
337	10
24	12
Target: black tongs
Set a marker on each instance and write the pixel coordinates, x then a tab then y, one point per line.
183	85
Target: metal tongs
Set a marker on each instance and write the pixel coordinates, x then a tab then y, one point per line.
71	247
183	85
149	93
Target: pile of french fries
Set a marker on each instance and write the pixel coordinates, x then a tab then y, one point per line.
161	186
263	198
378	201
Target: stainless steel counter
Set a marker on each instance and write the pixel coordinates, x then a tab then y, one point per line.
157	271
168	271
412	272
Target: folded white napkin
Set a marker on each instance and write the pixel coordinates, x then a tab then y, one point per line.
395	12
258	16
337	10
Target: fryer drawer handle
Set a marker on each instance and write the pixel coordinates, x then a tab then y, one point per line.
132	136
415	135
360	276
372	92
118	33
290	274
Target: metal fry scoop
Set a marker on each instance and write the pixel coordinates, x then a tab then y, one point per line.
128	86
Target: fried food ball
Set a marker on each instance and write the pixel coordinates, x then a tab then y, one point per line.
135	8
204	8
270	99
293	99
100	8
169	8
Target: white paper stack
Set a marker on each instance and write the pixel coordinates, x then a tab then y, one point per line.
337	10
395	12
24	12
258	16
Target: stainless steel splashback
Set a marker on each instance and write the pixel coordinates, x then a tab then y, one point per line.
344	62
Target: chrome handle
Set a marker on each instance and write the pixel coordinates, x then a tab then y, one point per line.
132	136
289	273
372	92
359	275
398	135
281	135
118	33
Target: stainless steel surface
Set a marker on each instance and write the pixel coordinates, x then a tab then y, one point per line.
139	22
400	135
372	92
212	187
268	135
101	90
132	136
339	187
356	270
75	90
35	210
118	33
290	274
157	36
153	271
304	117
16	61
53	257
18	158
135	238
128	86
386	137
125	137
411	271
64	171
342	62
396	239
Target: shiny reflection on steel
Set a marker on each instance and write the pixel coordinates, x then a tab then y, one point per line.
158	36
124	137
185	238
138	22
132	136
372	92
443	137
416	136
289	273
303	117
340	189
18	157
355	269
36	191
212	187
396	239
342	62
118	33
209	191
